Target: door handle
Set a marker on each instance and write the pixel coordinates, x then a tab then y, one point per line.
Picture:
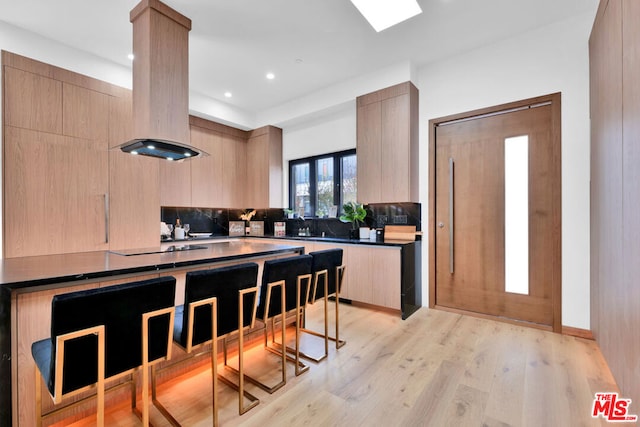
106	217
451	206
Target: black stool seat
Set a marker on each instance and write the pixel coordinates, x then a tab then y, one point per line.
217	303
282	291
119	309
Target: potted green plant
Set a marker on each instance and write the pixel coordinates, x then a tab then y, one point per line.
355	213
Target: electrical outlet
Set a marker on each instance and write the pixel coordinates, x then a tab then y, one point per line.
399	219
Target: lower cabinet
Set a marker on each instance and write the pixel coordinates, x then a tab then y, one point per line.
373	273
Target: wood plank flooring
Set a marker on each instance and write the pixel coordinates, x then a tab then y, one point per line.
434	369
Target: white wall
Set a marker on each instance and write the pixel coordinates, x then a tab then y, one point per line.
329	133
551	59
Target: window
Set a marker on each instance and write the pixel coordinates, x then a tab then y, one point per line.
320	182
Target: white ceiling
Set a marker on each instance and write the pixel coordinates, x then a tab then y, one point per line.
308	44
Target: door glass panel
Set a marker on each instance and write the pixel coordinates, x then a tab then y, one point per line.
516	215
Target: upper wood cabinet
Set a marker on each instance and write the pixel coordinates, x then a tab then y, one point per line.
64	190
387	145
234	177
216	180
175	183
207	171
32	101
264	168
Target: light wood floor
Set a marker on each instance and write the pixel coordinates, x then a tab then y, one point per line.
434	369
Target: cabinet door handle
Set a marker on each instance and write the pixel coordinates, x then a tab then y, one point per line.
451	206
106	217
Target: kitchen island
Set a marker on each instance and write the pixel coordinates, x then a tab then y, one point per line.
28	284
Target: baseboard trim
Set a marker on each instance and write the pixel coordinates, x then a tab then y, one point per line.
578	332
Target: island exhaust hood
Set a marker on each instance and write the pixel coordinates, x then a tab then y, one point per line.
160	83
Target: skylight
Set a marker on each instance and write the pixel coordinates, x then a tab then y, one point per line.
383	14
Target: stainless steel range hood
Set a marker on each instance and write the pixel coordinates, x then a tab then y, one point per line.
160	83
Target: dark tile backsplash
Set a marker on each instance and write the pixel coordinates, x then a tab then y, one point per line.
216	220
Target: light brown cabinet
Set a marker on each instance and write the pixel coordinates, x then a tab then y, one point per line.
65	190
373	274
234	177
614	55
55	190
216	180
207	171
31	101
264	168
387	145
56	178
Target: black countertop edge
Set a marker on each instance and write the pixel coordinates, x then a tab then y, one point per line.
339	240
142	269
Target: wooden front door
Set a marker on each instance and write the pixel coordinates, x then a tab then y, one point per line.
496	218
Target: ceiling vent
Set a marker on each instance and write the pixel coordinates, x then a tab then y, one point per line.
160	83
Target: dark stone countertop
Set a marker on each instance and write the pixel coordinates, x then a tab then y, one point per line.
50	269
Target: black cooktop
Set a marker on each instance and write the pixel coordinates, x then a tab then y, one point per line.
147	251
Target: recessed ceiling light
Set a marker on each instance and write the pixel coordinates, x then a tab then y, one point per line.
383	14
298	61
228	94
130	56
271	76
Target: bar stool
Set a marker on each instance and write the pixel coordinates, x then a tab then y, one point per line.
328	269
103	334
281	292
217	303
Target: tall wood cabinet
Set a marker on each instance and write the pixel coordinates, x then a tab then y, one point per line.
55	161
614	51
387	145
64	189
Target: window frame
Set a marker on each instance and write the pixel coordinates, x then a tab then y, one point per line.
313	177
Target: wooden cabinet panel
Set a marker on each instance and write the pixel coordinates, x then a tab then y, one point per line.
32	101
395	150
55	189
134	194
120	120
368	149
85	113
207	172
373	273
385	262
134	201
264	168
360	284
257	170
240	197
233	180
630	293
218	180
387	145
175	183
